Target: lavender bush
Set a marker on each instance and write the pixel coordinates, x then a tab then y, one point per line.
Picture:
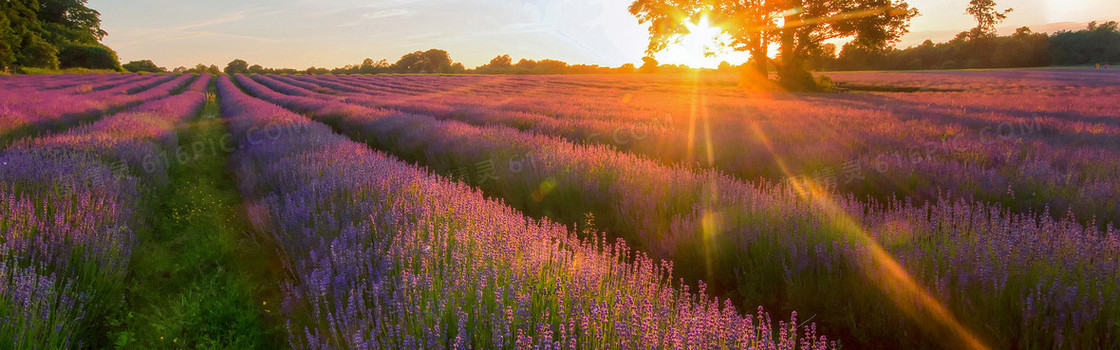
388	256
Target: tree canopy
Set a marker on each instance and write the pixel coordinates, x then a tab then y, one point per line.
1095	44
986	15
237	66
88	56
34	33
431	61
143	66
800	26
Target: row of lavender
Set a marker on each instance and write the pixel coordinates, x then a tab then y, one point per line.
61	81
1030	148
70	205
388	256
31	110
1013	279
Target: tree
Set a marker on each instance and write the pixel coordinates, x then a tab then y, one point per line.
987	17
317	71
143	66
1099	43
501	62
70	22
22	41
649	65
435	60
801	27
256	69
430	61
37	53
820	56
749	23
9	42
547	66
409	63
33	33
498	65
89	56
368	66
457	68
525	65
237	66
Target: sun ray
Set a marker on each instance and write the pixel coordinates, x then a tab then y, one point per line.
701	47
903	290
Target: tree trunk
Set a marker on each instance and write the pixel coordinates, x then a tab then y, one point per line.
791	73
759	57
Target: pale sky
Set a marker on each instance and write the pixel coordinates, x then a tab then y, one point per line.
333	33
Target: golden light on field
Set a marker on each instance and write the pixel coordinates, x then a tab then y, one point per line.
702	47
891	277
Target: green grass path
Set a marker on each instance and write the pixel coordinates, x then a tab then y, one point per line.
200	278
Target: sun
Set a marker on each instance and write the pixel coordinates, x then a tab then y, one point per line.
691	49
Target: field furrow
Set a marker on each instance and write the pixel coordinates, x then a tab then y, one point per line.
52	111
389	256
790	246
73	203
1026	161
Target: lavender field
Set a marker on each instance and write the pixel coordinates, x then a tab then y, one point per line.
937	209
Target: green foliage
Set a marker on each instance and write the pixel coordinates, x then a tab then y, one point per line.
143	66
8	43
438	62
501	62
71	22
200	281
199	69
1095	44
824	83
504	65
317	71
37	53
22	37
47	71
91	56
34	33
431	61
1098	43
368	66
237	66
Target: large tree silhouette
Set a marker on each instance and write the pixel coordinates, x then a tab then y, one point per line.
987	17
800	26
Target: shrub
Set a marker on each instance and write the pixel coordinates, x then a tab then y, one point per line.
93	57
143	66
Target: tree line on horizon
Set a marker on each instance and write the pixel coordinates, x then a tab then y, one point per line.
1098	43
874	31
60	34
433	61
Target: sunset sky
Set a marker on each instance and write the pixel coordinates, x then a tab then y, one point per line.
332	33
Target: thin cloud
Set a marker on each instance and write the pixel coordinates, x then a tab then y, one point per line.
189	30
369	17
386	14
